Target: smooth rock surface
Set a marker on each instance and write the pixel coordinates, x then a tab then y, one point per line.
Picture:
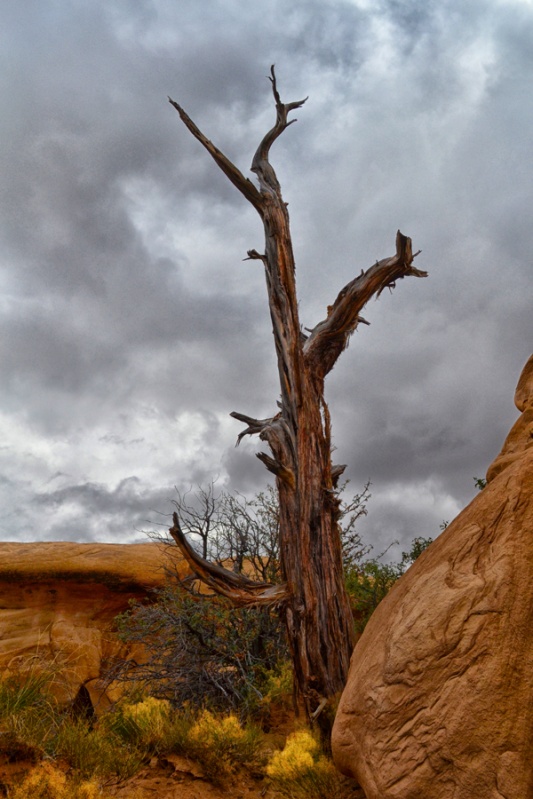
520	438
58	602
439	699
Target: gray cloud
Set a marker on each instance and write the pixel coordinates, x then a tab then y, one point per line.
130	325
70	510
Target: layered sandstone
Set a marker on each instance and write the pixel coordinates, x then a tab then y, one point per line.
58	603
439	699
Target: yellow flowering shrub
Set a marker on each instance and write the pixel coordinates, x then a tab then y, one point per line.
46	781
210	731
150	719
296	758
301	771
220	744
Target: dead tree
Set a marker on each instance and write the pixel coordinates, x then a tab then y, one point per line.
313	597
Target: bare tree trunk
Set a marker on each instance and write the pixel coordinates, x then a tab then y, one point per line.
315	604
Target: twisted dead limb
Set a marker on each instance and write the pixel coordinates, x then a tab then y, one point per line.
239	588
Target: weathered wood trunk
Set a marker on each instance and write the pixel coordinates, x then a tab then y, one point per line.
314	600
317	612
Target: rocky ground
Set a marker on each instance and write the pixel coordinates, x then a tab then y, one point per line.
174	777
169	777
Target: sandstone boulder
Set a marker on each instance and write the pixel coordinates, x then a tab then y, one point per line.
439	699
58	603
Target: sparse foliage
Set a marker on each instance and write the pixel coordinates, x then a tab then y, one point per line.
369	580
202	650
232	530
418	545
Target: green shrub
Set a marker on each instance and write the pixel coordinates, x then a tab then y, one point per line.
114	747
31	728
220	744
35	726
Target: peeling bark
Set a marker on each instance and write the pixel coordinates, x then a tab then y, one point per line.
315	605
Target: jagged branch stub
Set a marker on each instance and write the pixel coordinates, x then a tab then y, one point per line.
330	337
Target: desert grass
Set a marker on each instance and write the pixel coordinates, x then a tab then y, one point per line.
20	692
99	752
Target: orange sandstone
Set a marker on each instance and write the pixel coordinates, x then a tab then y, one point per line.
439	699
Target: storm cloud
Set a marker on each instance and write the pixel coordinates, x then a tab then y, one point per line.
131	326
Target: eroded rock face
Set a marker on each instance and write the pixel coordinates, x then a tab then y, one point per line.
58	602
439	700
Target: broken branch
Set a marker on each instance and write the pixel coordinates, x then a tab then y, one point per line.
245	186
241	590
260	164
330	337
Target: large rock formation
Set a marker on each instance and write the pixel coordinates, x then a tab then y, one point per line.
58	602
439	700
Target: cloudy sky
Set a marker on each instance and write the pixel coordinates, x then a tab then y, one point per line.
131	326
